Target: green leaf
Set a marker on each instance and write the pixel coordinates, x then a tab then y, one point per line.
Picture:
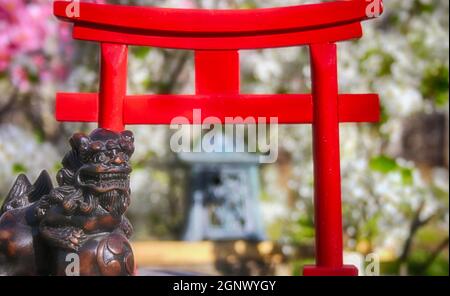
407	176
442	99
384	115
421	7
435	85
141	52
386	65
19	168
383	164
58	166
39	136
371	228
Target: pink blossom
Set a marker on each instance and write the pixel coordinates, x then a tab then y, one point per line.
22	27
5	54
38	61
8	9
26	28
19	78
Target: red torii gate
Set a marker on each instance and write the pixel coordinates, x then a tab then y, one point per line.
216	36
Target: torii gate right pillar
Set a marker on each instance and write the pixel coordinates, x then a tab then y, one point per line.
327	175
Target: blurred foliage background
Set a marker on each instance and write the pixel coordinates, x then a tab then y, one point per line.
395	174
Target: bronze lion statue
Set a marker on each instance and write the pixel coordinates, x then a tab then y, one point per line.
42	226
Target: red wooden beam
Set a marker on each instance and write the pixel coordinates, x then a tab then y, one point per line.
113	86
327	170
323	35
191	22
218	29
217	72
162	109
327	174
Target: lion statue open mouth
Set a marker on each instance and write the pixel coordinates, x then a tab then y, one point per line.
83	215
105	164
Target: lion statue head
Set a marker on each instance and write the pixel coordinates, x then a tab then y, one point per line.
98	166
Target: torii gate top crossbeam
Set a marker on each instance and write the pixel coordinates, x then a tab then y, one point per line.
218	29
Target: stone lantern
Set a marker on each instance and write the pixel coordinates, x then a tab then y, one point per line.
223	195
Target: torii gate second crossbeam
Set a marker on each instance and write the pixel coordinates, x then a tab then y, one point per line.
216	36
